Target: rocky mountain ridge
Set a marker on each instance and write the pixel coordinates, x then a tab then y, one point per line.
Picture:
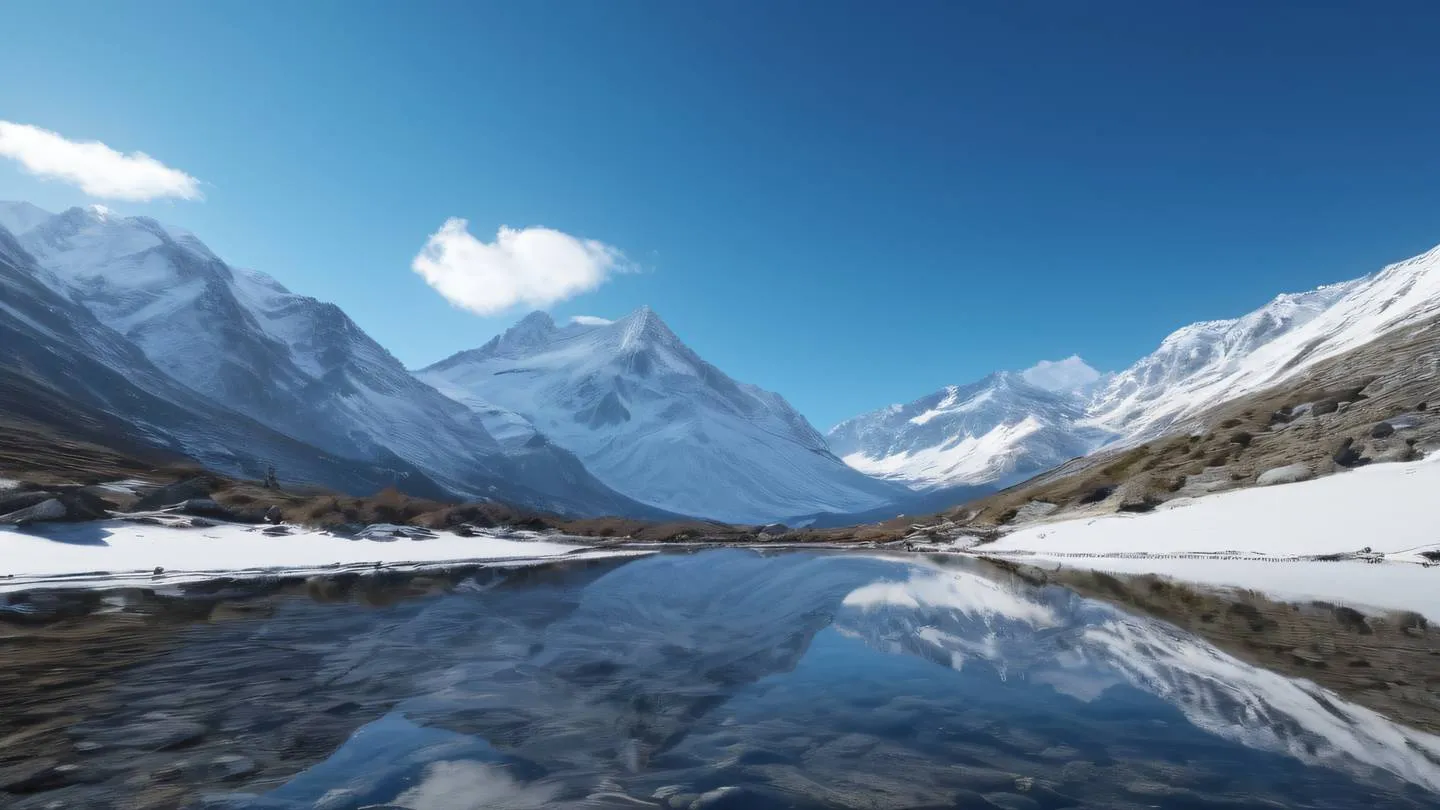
1004	428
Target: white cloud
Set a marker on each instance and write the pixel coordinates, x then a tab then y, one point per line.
534	266
96	168
591	320
1061	375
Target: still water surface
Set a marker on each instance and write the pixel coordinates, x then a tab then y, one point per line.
735	679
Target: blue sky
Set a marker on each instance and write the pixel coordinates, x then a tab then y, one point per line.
850	203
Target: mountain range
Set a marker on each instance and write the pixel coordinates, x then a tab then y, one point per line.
122	326
1012	425
233	347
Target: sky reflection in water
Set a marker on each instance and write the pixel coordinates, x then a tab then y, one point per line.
735	679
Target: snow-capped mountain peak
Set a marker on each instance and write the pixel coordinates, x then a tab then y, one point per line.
997	430
654	420
290	362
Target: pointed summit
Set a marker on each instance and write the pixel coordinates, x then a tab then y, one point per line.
647	415
645	328
532	331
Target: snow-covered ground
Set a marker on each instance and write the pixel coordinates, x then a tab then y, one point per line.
114	553
1261	538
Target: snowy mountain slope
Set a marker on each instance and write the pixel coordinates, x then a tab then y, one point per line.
61	369
1003	429
295	364
997	431
653	420
1203	364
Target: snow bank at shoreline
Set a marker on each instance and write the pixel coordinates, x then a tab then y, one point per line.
114	553
1265	539
1389	508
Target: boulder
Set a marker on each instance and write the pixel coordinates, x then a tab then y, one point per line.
1347	455
49	509
173	494
1034	510
82	504
1382	430
206	507
1288	474
273	515
12	501
393	531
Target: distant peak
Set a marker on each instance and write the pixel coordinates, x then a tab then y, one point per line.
539	319
19	217
530	331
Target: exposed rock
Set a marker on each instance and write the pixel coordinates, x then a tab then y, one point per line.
1034	510
393	531
1289	474
173	494
1382	430
205	507
51	509
1346	455
74	504
273	515
1396	452
1141	493
84	505
14	501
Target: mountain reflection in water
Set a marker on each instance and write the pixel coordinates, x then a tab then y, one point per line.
733	678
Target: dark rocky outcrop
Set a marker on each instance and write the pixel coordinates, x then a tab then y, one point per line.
180	492
67	504
1346	454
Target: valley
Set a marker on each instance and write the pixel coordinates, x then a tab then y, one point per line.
195	446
